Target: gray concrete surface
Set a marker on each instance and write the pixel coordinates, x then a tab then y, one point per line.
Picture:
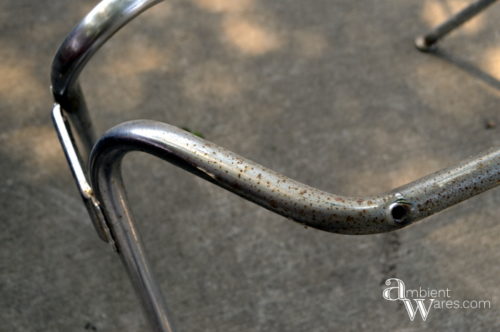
331	93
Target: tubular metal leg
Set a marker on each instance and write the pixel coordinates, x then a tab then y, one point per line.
102	190
427	42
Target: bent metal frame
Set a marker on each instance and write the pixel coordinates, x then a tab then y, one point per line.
96	167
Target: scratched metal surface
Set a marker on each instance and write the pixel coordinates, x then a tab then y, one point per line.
331	94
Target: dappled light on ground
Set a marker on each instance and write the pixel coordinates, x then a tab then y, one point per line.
239	27
491	61
224	6
38	148
248	36
17	80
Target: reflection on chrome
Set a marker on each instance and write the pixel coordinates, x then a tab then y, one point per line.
102	190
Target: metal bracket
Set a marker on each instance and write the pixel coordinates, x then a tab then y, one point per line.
71	152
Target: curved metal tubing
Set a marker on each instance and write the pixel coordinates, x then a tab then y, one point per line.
105	196
428	41
77	49
278	193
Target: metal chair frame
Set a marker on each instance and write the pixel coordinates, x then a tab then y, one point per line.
96	167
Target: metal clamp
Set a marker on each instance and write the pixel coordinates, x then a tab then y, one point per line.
102	189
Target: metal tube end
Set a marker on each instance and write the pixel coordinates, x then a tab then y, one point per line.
422	44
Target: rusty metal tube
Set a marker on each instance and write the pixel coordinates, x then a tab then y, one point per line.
287	197
105	197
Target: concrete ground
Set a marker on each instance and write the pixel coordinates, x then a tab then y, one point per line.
331	93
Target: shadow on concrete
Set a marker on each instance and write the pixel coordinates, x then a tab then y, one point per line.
467	67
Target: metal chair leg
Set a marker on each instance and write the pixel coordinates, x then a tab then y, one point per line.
428	41
102	190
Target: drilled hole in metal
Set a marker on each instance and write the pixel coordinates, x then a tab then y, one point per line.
399	212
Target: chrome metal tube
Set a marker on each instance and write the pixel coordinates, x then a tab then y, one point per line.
278	193
76	134
426	42
105	197
77	49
